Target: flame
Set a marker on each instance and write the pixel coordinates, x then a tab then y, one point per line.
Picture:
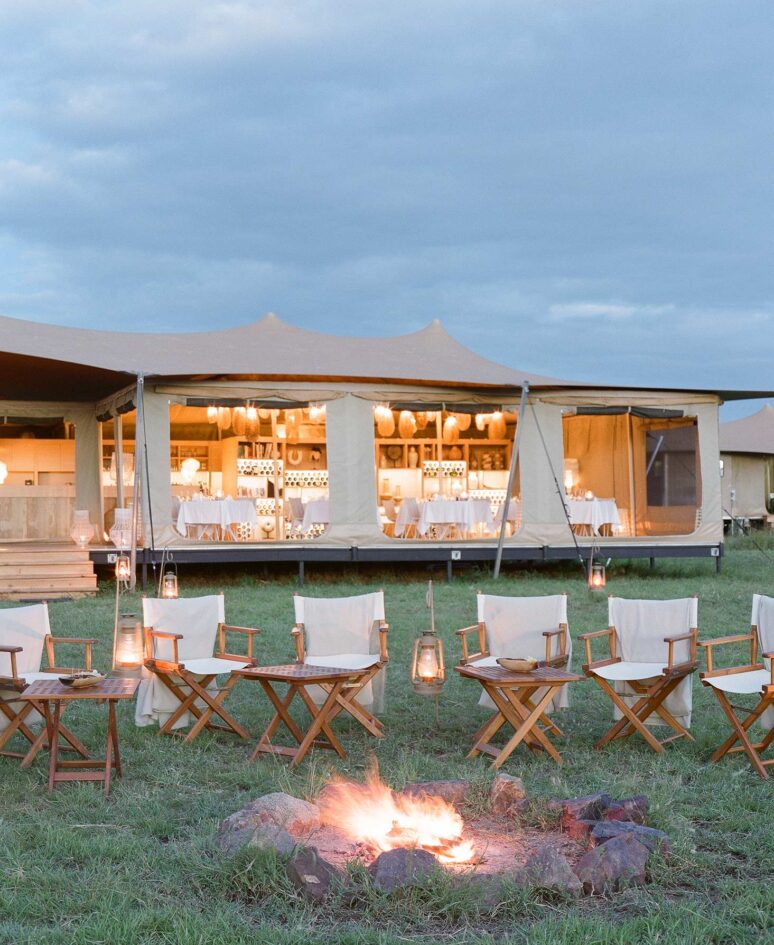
373	814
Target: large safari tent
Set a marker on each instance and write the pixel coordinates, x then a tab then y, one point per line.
280	422
747	465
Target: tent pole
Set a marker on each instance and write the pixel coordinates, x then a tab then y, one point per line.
632	512
439	449
139	448
118	436
511	477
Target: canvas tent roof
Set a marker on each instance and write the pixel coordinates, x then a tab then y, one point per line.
753	434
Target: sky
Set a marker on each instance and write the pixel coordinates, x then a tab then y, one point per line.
579	188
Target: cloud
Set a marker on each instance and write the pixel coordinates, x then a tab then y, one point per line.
571	310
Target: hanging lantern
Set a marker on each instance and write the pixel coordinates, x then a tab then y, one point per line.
212	414
481	421
169	589
224	418
597	577
451	429
188	469
123	568
252	414
316	413
239	420
82	531
422	420
385	421
427	670
292	425
463	421
496	429
407	425
128	646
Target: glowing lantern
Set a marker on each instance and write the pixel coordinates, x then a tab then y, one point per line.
407	425
451	429
121	529
252	414
481	421
169	585
3	472
316	413
128	646
82	531
212	414
385	422
569	480
427	670
239	420
189	468
224	418
463	421
422	419
123	568
597	577
496	429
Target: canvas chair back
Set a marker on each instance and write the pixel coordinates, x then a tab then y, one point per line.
641	626
763	619
26	627
390	511
335	625
196	618
515	625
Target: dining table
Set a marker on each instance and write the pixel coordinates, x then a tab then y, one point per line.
316	512
593	513
216	515
461	514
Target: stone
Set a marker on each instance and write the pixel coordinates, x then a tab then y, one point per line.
580	830
616	864
589	807
507	795
548	870
606	830
633	809
275	820
401	867
452	791
311	874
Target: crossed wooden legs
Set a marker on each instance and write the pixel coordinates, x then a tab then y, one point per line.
633	717
321	717
17	724
85	768
347	702
189	691
517	707
741	727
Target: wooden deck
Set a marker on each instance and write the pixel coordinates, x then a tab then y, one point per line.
45	571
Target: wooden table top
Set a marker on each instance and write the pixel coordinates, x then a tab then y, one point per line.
298	672
542	676
51	689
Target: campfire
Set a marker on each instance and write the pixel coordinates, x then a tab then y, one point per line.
373	815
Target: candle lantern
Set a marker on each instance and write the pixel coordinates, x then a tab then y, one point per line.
82	531
169	584
427	669
123	568
128	646
597	577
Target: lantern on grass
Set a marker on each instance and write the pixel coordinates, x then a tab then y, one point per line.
427	670
128	646
169	589
597	577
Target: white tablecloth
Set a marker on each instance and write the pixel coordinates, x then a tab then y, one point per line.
467	513
514	512
593	512
316	512
220	512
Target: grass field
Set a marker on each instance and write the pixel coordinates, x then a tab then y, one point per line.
143	867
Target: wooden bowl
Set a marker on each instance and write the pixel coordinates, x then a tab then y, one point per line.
82	680
523	665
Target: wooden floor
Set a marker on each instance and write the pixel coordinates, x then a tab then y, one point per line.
45	571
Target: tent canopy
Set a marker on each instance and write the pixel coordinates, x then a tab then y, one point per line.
753	434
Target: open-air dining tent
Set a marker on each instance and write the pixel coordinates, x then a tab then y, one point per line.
270	441
747	465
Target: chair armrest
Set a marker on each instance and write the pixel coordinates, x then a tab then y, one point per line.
12	651
691	635
770	656
384	629
298	639
52	642
722	641
467	656
224	629
588	637
161	635
561	632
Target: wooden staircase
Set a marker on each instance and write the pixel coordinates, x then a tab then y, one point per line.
45	571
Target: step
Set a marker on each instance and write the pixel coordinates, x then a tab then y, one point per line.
59	568
43	557
44	595
45	582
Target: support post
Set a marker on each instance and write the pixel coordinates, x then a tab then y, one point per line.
511	477
139	457
118	436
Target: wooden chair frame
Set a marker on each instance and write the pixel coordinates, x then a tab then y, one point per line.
168	671
558	662
741	727
346	699
652	697
16	719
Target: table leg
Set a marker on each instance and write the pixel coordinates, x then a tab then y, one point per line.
325	727
282	715
524	724
318	722
52	724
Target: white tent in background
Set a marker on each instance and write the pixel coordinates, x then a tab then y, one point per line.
747	456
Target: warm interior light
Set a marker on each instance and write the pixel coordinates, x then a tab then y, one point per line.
481	421
597	577
128	646
316	413
451	429
569	480
427	665
189	468
3	472
212	414
252	413
123	568
169	585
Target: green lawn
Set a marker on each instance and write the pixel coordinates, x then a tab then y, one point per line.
143	867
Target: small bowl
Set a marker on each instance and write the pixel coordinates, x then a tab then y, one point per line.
82	680
526	664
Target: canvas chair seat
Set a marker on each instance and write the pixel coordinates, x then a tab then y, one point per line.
35	677
616	672
741	683
209	665
343	661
